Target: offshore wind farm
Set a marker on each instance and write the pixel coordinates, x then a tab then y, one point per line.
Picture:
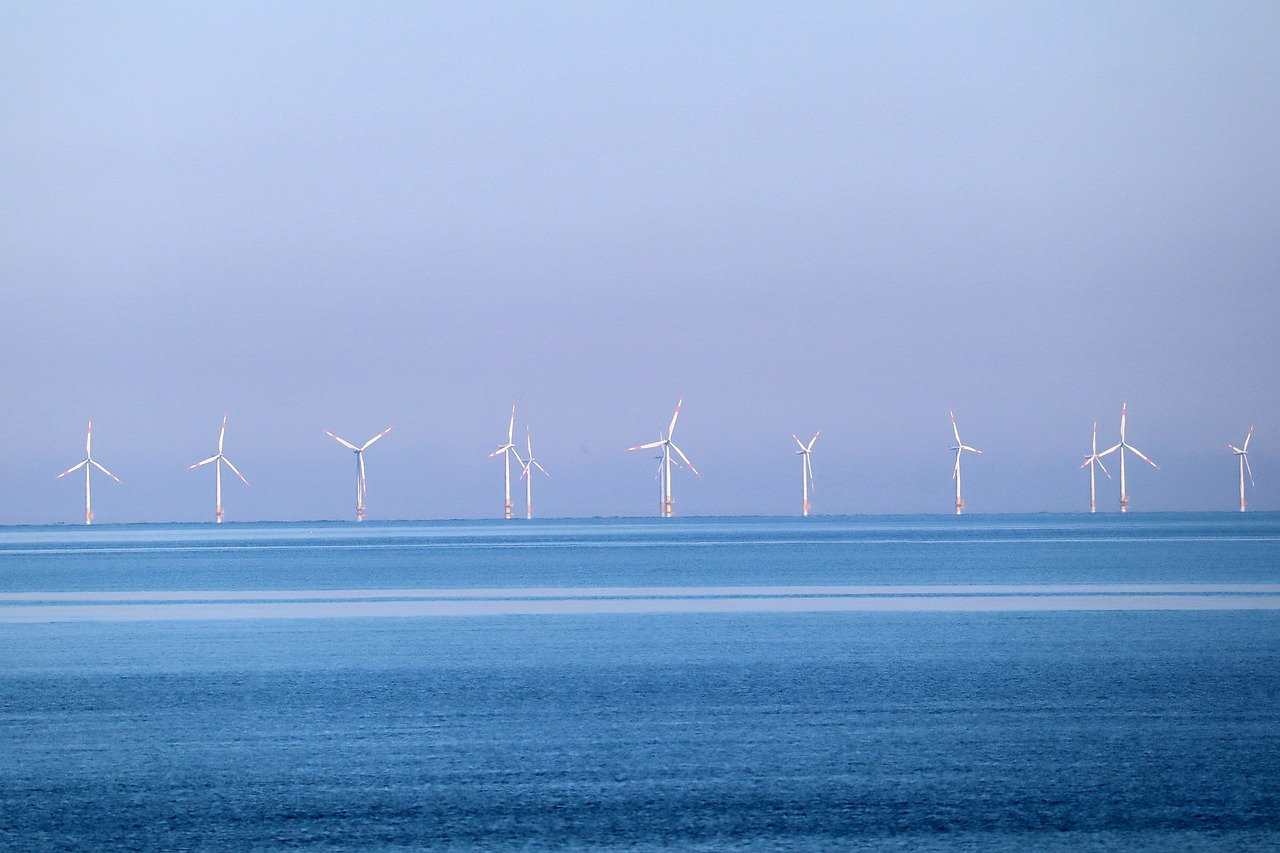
666	460
939	247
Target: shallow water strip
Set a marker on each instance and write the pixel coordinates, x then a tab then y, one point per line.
195	605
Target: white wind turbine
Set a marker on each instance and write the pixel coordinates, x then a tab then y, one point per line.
960	448
527	474
664	469
508	450
806	467
218	460
1092	460
1122	447
1242	453
362	487
88	464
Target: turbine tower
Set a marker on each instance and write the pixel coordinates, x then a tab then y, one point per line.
960	448
1242	453
218	460
88	464
1092	460
528	465
1122	447
508	450
362	487
806	468
668	447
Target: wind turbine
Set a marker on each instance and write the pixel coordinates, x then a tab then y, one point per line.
806	468
88	464
508	450
664	468
960	448
362	487
218	459
1122	447
1092	460
528	466
1243	454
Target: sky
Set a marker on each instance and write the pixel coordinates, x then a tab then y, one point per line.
851	217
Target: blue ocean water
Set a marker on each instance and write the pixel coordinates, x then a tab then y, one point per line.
997	703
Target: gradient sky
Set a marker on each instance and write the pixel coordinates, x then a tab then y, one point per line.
796	216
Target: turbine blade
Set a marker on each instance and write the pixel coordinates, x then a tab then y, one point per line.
1250	470
675	415
72	469
1138	453
105	471
680	453
223	434
511	427
1246	440
364	483
955	429
1109	451
1104	469
203	462
650	446
237	470
799	443
341	441
538	465
808	467
88	441
813	440
375	438
971	449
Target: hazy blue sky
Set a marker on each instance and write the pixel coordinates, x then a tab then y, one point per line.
796	216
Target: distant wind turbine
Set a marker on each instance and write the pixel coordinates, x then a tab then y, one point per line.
1242	453
1092	460
806	468
960	448
218	460
664	470
508	450
527	474
88	464
362	486
1122	447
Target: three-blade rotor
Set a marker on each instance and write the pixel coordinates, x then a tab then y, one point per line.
218	457
510	446
1124	412
667	445
88	458
960	447
1243	453
530	463
1095	458
806	450
362	483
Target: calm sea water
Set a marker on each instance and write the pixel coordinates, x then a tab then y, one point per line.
1007	682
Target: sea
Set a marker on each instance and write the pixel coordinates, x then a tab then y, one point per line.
1004	682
